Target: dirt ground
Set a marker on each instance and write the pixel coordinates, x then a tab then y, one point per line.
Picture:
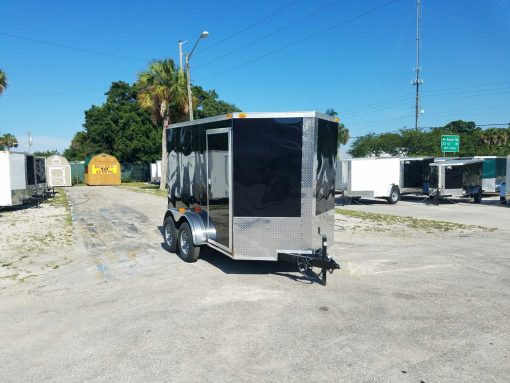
415	301
35	240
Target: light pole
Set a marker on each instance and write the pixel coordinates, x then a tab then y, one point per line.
203	35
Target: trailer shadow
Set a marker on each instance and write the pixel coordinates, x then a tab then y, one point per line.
488	201
230	266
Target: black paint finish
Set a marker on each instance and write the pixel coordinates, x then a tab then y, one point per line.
218	173
40	170
327	148
187	163
30	166
267	161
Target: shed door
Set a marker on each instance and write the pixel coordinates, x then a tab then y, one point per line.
57	176
219	186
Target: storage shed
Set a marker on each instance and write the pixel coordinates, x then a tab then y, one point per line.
102	169
58	171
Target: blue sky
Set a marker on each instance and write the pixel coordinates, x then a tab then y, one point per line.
282	55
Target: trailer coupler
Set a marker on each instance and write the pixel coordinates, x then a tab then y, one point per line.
307	261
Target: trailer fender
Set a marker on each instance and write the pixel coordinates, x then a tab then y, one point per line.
197	223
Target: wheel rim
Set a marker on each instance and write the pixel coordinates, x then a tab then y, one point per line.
185	246
168	236
394	196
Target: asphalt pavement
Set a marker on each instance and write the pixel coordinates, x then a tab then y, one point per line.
421	307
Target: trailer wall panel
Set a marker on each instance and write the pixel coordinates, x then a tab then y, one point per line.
378	175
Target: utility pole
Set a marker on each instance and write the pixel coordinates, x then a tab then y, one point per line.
29	143
417	82
190	96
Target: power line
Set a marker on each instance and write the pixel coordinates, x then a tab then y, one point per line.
59	45
334	26
250	26
270	34
54	93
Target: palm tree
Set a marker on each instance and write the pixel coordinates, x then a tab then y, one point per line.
3	81
343	132
8	141
163	92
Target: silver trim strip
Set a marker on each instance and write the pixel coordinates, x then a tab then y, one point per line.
255	115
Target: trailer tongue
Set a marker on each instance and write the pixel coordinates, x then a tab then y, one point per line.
307	261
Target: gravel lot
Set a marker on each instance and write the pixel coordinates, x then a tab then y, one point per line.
413	302
34	241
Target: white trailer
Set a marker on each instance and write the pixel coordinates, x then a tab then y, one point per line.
13	185
370	178
156	172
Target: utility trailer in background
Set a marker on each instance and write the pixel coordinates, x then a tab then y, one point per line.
456	178
370	178
13	184
254	186
493	172
36	176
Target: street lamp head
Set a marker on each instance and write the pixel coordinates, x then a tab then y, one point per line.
204	34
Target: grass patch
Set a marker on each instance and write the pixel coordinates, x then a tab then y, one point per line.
142	187
415	223
60	199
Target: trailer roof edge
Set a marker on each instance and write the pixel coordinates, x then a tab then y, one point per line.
237	115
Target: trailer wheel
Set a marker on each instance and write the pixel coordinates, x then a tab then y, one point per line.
170	234
394	195
187	250
477	197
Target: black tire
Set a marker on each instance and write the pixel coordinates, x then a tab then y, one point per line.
477	197
187	250
170	234
394	195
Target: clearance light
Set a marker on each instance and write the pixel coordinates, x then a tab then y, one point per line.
229	115
182	210
198	209
242	115
337	119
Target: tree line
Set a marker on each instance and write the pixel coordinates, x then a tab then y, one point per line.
129	125
474	141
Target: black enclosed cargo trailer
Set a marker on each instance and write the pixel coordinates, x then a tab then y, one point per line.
255	186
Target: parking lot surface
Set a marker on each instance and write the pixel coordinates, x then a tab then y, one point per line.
410	304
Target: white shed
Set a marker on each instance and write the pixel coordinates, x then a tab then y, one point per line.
58	171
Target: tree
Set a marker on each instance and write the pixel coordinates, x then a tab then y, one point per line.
118	127
8	141
473	141
3	82
46	153
163	92
343	132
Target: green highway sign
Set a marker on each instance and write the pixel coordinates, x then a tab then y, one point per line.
450	144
